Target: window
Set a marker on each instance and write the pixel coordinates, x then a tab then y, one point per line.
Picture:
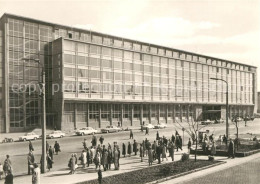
128	66
106	51
81	60
164	61
156	69
127	45
94	74
106	63
128	55
107	75
70	59
161	51
82	73
97	39
117	43
95	49
136	46
147	68
94	61
128	77
69	45
137	56
145	48
153	50
138	67
118	76
69	72
107	41
118	53
168	53
118	65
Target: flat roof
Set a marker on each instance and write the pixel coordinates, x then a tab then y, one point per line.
127	39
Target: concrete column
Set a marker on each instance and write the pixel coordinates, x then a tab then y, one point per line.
188	113
158	117
87	106
132	114
122	114
173	113
141	114
166	114
99	115
75	115
150	113
111	114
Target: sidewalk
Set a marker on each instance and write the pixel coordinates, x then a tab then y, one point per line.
229	163
127	164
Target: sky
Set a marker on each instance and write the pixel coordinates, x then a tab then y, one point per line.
227	29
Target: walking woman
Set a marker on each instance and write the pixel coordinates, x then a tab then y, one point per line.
141	152
123	150
129	149
72	164
150	156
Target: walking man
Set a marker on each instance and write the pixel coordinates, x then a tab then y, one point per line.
30	159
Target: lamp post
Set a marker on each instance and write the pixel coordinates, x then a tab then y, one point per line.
227	109
42	95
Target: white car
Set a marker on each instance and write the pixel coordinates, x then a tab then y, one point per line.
160	125
56	134
86	131
29	136
110	128
150	126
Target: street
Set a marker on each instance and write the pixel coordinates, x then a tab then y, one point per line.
18	150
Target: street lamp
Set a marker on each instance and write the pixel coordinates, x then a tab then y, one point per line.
227	109
43	161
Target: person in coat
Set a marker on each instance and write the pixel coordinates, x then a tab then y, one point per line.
173	138
157	136
171	150
164	152
31	146
123	149
101	140
36	176
141	152
158	153
56	147
150	156
9	177
135	147
88	156
105	159
72	164
116	159
7	165
129	149
84	158
189	145
30	159
94	140
147	131
154	146
231	149
97	159
49	161
131	134
109	157
51	152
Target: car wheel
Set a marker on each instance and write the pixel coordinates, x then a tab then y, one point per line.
52	137
61	136
24	140
82	134
35	138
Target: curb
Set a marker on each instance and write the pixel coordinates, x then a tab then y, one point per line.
185	173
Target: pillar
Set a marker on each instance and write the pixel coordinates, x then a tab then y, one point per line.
141	114
150	114
158	113
122	114
111	114
99	116
87	106
132	114
166	114
75	115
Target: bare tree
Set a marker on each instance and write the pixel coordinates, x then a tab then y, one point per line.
193	130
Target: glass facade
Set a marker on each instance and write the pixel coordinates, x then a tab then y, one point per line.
95	66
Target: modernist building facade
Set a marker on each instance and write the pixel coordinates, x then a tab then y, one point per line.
95	79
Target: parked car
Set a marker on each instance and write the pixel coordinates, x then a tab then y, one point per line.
86	131
29	136
160	125
110	128
219	120
56	134
206	122
150	126
5	140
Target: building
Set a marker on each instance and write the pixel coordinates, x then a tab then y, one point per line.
95	79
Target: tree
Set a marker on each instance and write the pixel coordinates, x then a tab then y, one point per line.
236	123
193	130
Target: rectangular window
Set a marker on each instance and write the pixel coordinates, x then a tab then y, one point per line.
168	53
153	50
128	55
97	39
118	76
94	74
107	75
128	66
70	59
95	49
106	51
137	56
156	69
118	65
107	41
69	72
161	51
118	53
106	63
145	48
128	77
118	43
127	45
81	60
82	73
164	61
136	46
138	78
138	67
147	68
94	61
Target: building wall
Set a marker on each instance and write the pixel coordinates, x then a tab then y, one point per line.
103	68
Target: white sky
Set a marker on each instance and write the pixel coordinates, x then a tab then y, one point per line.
228	29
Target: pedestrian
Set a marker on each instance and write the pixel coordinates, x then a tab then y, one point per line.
131	134
224	139
231	149
93	154
164	152
30	146
49	161
116	158
88	156
189	145
99	175
177	142
135	147
171	150
105	159
30	159
51	152
245	119
57	147
123	150
173	138
147	131
109	157
101	140
157	136
129	149
150	156
83	158
9	177
84	143
118	124
158	153
97	159
180	142
7	165
36	174
1	170
213	149
72	164
94	140
141	152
